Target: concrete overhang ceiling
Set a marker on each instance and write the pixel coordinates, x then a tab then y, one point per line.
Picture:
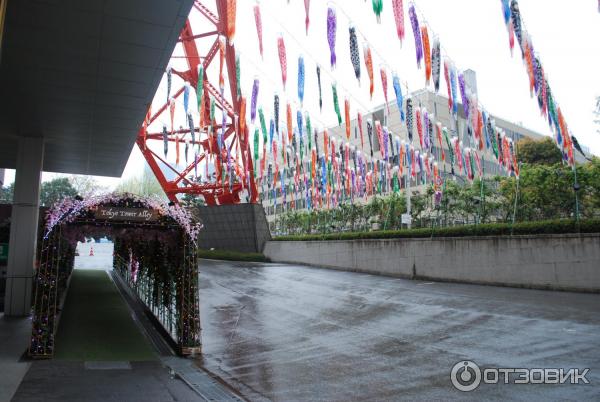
81	73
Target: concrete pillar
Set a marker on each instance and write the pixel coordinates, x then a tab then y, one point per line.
24	227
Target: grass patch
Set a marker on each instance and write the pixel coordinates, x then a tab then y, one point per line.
230	255
488	229
96	323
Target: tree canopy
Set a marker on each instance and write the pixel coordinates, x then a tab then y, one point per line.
56	190
6	194
542	151
144	185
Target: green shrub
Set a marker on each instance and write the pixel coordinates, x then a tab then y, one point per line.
489	229
231	255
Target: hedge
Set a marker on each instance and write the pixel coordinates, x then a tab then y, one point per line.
231	255
489	229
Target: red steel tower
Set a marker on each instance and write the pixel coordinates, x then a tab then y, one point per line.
217	138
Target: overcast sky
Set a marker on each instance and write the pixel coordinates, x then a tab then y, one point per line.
472	34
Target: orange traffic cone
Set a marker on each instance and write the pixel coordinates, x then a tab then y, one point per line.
91	251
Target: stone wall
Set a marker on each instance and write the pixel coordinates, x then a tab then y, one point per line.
562	262
241	227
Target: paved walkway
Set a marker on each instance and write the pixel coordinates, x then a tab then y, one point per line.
294	333
14	340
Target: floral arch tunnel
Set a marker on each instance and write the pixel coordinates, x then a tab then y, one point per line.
154	255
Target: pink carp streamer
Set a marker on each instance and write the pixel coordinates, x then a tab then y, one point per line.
399	18
258	21
417	33
369	64
331	31
384	84
427	52
419	121
448	84
307	13
359	120
282	59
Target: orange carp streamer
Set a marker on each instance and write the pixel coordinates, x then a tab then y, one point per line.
347	117
369	64
289	121
427	53
230	22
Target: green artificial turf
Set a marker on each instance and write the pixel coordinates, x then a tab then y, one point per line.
96	323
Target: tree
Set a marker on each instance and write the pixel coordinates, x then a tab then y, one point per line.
86	186
192	200
146	185
56	190
542	151
6	194
597	114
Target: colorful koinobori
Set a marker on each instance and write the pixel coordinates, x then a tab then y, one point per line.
306	163
538	84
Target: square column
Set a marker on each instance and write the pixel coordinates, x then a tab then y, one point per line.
24	227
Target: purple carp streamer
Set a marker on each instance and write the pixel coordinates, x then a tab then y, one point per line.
463	94
417	33
331	31
254	100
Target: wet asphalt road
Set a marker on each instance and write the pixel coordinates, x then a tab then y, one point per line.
293	333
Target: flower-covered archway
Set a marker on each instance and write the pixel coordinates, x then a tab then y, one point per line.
155	254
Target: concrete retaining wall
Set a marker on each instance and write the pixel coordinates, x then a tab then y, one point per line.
241	227
565	262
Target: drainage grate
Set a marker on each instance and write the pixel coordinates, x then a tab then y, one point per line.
107	365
